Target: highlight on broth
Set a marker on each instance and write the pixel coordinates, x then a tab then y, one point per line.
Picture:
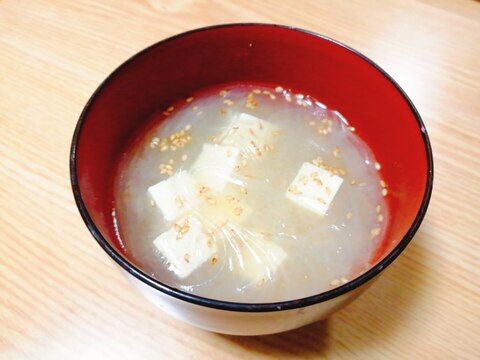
250	194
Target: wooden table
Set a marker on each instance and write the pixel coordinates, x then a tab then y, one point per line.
60	295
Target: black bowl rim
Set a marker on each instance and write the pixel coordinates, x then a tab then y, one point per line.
236	306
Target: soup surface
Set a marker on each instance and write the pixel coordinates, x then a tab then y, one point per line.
250	194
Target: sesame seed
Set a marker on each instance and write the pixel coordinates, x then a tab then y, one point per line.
170	109
351	128
261	282
343	280
190	99
244	163
244	191
214	260
378	166
259	125
228	102
222	111
380	217
337	152
384	192
250	130
276	133
272	97
349	215
299	96
171	161
152	202
195	107
223	92
210	200
374	233
256	91
178	202
335	282
184	157
188	127
383	184
155	141
186	257
378	208
278	89
238	211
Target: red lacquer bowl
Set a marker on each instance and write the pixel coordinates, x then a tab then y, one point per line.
331	72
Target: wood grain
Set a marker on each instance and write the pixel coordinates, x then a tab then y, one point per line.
61	297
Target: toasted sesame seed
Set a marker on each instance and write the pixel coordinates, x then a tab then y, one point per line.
374	233
259	125
335	282
337	152
294	190
250	130
186	257
178	202
261	282
190	99
256	91
170	109
276	133
155	141
214	260
223	92
383	184
384	192
238	211
244	191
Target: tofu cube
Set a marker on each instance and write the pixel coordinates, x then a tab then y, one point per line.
185	246
249	133
314	188
176	195
214	166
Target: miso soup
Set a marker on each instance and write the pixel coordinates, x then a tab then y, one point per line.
250	194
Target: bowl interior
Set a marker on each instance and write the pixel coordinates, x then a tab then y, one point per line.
333	74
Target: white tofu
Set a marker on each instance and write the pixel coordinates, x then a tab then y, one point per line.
249	132
261	258
176	195
185	246
314	188
214	166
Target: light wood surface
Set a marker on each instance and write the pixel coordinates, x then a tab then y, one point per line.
60	295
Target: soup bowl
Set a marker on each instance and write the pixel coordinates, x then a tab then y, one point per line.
336	75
